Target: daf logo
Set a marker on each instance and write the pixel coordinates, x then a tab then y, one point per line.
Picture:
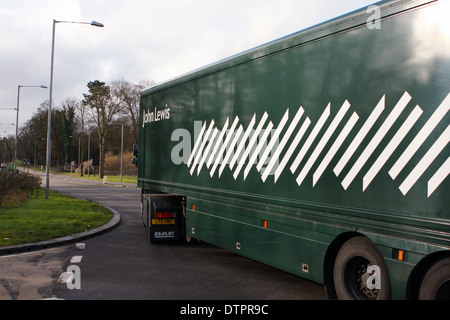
165	234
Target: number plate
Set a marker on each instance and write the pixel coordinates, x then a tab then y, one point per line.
163	221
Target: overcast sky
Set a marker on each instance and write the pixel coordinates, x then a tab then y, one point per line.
142	40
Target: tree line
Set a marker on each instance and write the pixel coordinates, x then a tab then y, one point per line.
96	119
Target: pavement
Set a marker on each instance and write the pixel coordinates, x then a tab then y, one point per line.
111	224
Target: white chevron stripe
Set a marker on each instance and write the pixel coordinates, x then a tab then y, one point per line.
335	147
261	143
273	140
423	134
438	177
218	143
283	142
425	162
323	118
197	143
231	149
243	141
200	150
387	124
392	146
327	135
250	145
292	147
359	137
242	144
224	146
208	148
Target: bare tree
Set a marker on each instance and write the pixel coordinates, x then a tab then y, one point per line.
128	95
103	108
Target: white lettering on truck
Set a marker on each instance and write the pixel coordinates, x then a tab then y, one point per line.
155	115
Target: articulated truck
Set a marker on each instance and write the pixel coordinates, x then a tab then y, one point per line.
324	153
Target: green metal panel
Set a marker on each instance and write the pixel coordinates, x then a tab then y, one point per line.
382	93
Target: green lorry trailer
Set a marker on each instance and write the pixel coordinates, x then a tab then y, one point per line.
323	153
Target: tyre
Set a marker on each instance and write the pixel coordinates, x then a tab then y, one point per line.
436	282
360	272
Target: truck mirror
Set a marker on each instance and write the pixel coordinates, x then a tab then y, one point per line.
135	150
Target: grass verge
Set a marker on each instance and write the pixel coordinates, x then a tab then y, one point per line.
125	179
41	219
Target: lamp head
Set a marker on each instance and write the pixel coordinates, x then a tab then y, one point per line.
97	24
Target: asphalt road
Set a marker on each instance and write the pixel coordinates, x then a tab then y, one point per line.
123	265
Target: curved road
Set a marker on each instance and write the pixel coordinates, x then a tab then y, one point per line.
121	264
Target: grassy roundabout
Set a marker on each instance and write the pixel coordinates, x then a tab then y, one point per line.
40	219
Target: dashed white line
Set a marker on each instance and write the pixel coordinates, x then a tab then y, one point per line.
76	259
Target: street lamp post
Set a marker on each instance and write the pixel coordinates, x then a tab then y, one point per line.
17	117
47	167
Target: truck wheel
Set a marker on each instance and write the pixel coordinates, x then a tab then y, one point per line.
360	272
436	283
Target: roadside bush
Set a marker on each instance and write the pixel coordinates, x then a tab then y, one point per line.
7	183
16	187
112	163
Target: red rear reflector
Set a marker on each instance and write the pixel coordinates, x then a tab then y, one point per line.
164	215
